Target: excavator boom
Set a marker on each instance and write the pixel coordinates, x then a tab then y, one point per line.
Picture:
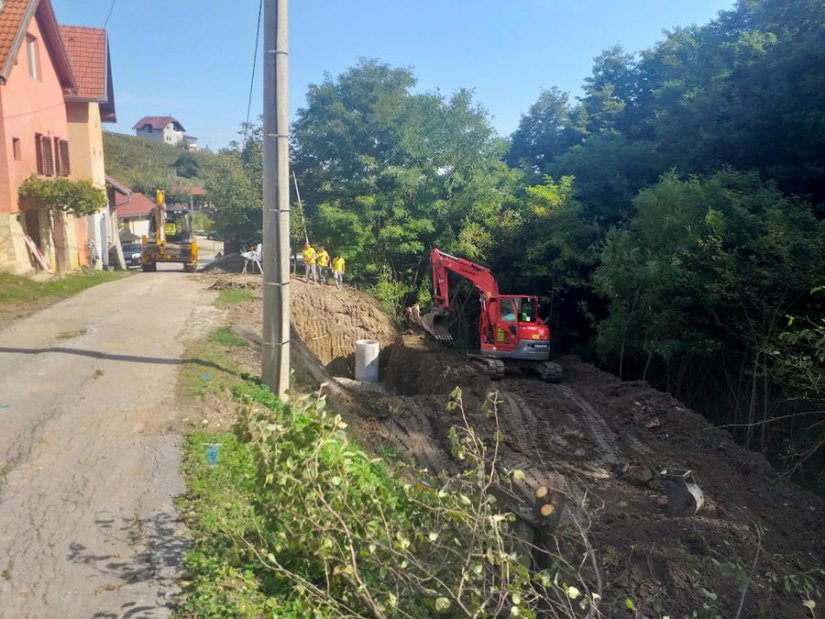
481	276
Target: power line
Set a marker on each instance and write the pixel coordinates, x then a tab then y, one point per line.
254	65
111	8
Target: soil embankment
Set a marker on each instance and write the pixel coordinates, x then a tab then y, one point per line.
597	440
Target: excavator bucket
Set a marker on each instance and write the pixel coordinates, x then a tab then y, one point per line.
684	497
435	323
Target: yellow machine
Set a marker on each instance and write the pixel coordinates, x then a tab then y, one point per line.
171	238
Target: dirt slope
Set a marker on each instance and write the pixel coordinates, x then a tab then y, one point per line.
597	440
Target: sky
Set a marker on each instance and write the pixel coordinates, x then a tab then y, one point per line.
193	59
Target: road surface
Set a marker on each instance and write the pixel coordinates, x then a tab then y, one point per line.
87	477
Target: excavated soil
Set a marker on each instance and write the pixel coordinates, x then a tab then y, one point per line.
593	438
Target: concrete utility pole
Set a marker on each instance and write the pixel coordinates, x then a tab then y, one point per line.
275	349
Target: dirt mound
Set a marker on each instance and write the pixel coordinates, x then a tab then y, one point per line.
600	442
231	263
330	320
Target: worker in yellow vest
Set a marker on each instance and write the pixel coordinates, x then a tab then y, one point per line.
323	264
310	259
338	266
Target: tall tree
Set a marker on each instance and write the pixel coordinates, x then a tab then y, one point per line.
548	129
386	171
705	273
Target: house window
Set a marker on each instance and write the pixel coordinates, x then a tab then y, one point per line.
15	148
43	149
148	128
61	157
32	52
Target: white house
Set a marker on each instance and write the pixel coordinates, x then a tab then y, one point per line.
166	129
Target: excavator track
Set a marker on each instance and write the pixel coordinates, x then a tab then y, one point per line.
494	368
550	372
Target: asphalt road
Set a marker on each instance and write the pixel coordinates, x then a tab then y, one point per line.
87	477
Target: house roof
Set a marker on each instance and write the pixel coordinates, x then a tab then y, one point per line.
192	190
158	122
118	186
138	206
88	50
15	16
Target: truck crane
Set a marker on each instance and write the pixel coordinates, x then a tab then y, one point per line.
511	334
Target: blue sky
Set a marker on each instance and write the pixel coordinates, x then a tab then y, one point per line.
193	58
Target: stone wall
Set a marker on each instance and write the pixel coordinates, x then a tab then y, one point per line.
14	256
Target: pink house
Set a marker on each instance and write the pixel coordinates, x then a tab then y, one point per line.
34	75
43	130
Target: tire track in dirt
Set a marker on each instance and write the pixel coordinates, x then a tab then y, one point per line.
602	434
410	428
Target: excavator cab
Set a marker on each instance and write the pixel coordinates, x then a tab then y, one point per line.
528	310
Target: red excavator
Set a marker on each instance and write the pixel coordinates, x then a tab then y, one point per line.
512	336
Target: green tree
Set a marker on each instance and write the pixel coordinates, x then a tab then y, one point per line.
705	273
386	173
549	129
187	165
237	201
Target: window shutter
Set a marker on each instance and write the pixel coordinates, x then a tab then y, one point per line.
64	158
38	149
48	158
58	167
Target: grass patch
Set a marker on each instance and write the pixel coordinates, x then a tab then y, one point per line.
222	580
228	338
233	296
15	289
211	370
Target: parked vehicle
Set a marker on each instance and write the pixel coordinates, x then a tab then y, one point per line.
131	254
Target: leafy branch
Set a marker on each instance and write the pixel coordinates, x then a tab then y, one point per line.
78	197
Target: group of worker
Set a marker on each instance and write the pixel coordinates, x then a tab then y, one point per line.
317	265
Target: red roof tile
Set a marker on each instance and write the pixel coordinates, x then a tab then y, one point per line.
138	206
15	16
192	190
11	21
87	53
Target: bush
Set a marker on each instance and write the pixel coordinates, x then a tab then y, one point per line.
327	530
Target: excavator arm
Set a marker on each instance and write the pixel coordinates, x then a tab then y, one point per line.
481	276
435	322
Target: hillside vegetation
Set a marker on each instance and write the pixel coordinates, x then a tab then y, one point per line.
670	218
144	165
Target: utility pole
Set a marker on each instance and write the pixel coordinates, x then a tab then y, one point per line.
275	348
